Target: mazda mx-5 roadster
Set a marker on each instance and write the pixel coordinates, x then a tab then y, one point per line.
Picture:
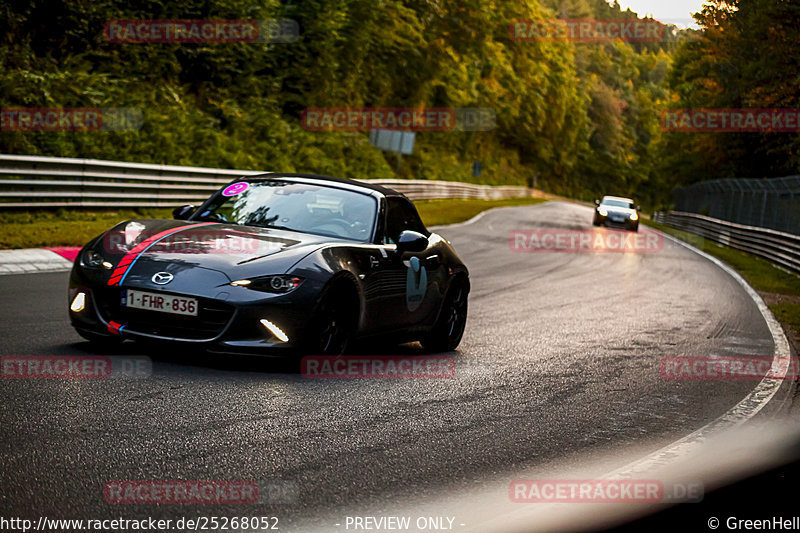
272	263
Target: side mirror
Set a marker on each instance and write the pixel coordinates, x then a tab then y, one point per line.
183	212
597	202
411	241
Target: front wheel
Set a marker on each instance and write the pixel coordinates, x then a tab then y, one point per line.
334	324
446	334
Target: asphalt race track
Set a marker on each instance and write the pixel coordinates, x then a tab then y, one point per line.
560	363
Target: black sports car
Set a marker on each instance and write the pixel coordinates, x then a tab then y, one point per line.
274	262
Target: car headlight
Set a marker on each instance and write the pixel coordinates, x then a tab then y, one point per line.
634	216
603	212
280	284
93	259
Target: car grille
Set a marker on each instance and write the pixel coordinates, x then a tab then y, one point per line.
211	319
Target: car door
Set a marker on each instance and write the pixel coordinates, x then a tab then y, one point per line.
411	296
380	285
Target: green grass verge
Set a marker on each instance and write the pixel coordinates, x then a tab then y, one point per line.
35	229
76	228
788	314
441	212
783	287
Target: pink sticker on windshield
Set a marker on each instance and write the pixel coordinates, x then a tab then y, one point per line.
236	188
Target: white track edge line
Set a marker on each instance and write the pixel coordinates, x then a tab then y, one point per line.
734	417
743	411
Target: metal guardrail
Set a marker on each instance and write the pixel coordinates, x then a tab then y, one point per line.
51	182
781	249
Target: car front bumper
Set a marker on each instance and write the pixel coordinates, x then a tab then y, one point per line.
228	322
621	222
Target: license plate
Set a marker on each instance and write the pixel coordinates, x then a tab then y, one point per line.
164	303
617	219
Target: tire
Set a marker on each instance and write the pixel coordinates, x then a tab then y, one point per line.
334	324
449	328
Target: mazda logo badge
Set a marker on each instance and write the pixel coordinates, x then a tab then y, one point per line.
162	278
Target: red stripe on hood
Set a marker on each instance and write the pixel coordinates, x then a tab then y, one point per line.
127	260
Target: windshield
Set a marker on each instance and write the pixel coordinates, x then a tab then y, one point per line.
618	203
302	207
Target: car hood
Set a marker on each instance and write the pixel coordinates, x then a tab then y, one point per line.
236	251
617	210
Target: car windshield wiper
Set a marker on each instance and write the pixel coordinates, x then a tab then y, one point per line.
269	226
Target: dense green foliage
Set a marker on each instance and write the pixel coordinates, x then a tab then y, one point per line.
747	56
575	118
